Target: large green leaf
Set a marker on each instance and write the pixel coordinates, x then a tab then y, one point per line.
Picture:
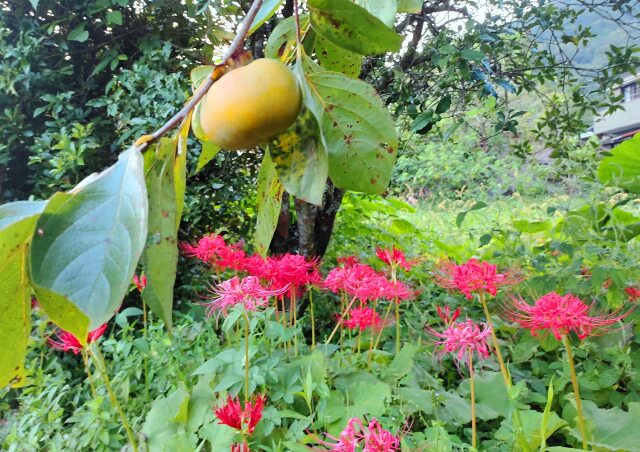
622	168
161	251
267	9
337	59
535	426
410	6
612	429
269	200
385	10
17	222
166	425
352	27
301	159
88	243
359	133
180	169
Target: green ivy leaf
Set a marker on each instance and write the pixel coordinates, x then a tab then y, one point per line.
269	200
267	9
352	27
337	59
622	167
87	245
359	133
161	250
78	34
301	159
17	222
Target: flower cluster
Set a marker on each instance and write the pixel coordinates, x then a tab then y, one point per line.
463	339
560	315
372	438
363	318
473	276
247	291
244	420
213	250
67	342
363	283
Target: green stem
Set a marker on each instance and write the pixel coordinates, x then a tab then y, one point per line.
576	390
88	370
384	322
114	401
474	438
246	357
313	322
397	304
145	360
494	339
340	321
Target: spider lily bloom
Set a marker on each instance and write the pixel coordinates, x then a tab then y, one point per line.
560	315
244	420
446	316
293	270
347	261
394	258
67	342
473	276
372	438
140	282
633	293
363	318
247	291
213	250
463	339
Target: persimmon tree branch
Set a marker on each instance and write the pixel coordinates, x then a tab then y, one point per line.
235	48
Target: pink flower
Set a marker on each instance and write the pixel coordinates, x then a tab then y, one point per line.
394	258
243	420
462	339
372	438
560	315
473	276
293	270
140	282
446	316
67	342
363	318
247	291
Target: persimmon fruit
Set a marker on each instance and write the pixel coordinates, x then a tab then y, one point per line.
250	105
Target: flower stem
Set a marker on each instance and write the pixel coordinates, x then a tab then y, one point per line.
114	401
384	322
340	321
494	339
576	390
397	303
246	357
146	338
313	322
88	370
474	438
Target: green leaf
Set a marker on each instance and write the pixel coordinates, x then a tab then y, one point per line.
114	18
208	153
359	133
269	200
410	6
88	243
160	256
622	168
34	3
180	169
17	222
492	400
612	429
283	37
352	27
267	9
444	104
198	75
532	422
472	55
337	59
78	34
385	10
165	424
301	159
532	227
401	364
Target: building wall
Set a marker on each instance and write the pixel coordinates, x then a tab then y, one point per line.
621	120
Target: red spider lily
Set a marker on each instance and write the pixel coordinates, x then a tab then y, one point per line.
347	261
397	290
633	293
67	342
461	339
35	304
140	282
243	420
293	270
446	316
247	291
255	265
372	438
213	250
560	315
394	258
473	276
363	318
240	447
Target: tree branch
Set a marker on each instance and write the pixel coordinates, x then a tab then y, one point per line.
235	48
